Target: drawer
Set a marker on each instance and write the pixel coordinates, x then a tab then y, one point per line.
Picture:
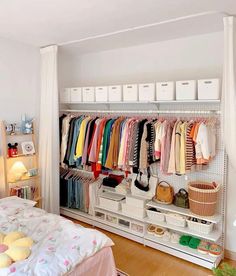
88	94
124	223
186	90
65	95
136	201
146	92
101	94
99	215
165	91
115	93
76	94
130	92
136	227
209	89
112	219
109	204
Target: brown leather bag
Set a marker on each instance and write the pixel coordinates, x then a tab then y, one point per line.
164	193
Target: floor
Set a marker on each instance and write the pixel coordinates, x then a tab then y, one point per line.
137	260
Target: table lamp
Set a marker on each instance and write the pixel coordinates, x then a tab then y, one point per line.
17	171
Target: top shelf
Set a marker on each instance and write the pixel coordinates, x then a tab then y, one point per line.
151	102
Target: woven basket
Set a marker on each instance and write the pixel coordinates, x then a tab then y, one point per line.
203	197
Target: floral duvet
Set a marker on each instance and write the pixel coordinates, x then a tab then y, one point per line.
59	244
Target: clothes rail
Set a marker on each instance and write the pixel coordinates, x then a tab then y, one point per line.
144	111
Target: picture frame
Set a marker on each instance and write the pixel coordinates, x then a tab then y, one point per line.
28	148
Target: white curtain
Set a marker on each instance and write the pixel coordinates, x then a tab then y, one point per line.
229	89
49	130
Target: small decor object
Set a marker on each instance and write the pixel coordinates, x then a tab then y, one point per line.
181	199
28	148
12	150
26	125
32	172
164	193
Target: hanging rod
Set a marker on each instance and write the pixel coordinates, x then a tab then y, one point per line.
144	111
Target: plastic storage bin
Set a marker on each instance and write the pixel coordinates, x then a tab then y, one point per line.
65	95
88	94
133	211
76	95
165	91
130	92
155	215
115	93
101	93
204	228
209	89
175	219
109	204
146	92
136	201
186	90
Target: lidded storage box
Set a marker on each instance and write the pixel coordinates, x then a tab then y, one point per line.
88	94
130	92
146	92
165	91
186	90
65	95
76	95
115	93
209	89
101	94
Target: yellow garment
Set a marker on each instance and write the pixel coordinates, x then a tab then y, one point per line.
182	158
13	236
80	141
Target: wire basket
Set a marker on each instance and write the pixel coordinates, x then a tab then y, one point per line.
203	197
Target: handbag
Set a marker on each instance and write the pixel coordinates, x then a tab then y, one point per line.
140	184
181	199
164	193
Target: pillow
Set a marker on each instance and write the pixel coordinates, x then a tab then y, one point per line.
11	237
2	236
5	260
3	248
18	253
25	242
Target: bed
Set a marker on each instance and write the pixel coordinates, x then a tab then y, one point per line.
60	246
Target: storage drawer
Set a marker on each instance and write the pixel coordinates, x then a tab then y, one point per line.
76	95
136	227
186	90
130	92
124	223
101	94
165	91
112	219
136	201
88	94
146	92
133	211
209	89
99	215
155	215
115	93
65	95
110	204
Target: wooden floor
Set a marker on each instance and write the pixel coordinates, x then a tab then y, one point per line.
137	260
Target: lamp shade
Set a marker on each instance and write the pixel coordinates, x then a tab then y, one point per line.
17	170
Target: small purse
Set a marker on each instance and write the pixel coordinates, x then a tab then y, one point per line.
140	184
181	199
164	193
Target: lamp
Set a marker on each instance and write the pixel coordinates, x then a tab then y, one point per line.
17	171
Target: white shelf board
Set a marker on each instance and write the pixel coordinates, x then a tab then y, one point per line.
213	236
119	213
172	208
185	249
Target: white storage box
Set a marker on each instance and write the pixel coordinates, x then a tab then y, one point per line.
101	94
186	90
165	91
204	228
76	95
155	215
209	89
115	93
133	211
65	95
109	204
146	92
130	93
136	201
175	219
88	94
136	227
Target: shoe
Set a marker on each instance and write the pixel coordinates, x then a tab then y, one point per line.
203	247
175	238
215	250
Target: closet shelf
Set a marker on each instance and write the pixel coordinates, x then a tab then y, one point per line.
186	212
213	236
151	102
23	180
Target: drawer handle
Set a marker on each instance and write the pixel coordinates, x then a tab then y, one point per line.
164	84
185	83
207	82
146	86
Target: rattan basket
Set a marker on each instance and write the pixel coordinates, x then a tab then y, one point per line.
203	197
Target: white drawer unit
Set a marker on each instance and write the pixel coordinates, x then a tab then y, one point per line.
76	95
101	94
115	93
124	223
209	89
165	91
65	95
186	90
136	201
109	204
146	92
136	227
130	210
88	94
130	92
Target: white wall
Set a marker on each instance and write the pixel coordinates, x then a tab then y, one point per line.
187	58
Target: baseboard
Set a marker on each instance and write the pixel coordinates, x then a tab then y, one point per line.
230	255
